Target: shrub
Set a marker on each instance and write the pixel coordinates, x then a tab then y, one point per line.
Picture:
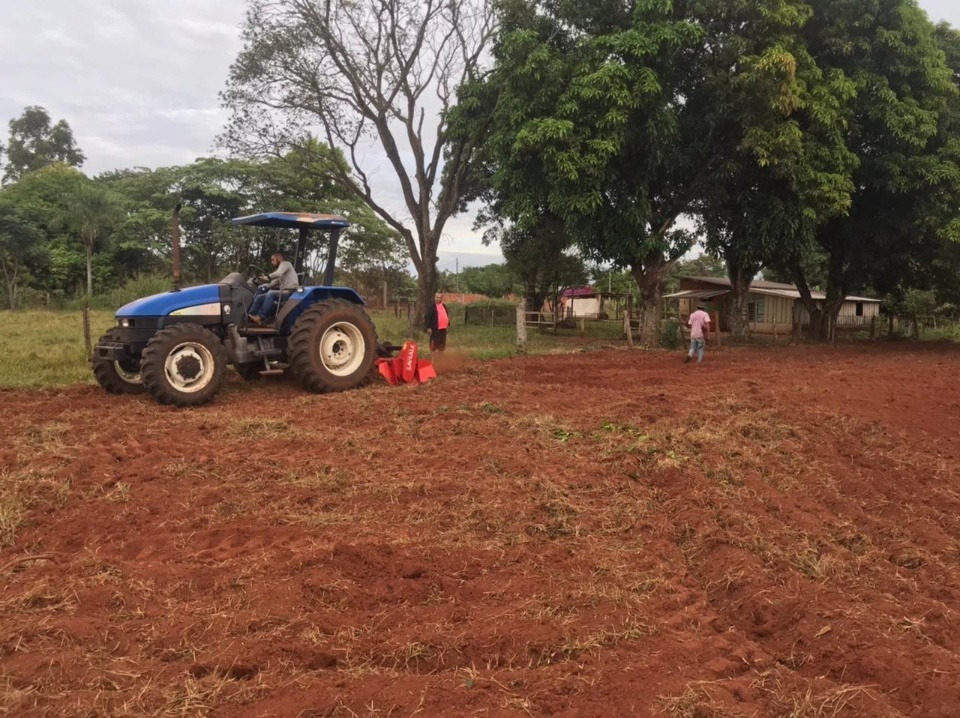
670	335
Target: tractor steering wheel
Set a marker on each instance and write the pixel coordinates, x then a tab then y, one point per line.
256	272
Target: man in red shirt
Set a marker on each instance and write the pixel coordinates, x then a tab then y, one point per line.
437	321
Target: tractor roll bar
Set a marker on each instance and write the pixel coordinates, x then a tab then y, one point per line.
303	221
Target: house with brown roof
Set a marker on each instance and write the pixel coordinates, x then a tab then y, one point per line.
773	307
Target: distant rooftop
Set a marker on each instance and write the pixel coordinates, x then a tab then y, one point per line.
758	286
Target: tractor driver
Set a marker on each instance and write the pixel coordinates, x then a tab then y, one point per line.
285	277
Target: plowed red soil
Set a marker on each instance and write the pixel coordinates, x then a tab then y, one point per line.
774	533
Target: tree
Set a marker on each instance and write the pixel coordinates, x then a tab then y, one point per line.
767	122
376	72
20	248
537	256
213	191
492	280
34	143
43	196
91	212
901	126
703	266
586	125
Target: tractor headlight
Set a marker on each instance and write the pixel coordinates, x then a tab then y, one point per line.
125	323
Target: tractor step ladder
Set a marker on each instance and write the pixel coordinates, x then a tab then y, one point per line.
264	354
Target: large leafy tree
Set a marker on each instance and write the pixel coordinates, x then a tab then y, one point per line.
21	248
945	274
770	127
214	191
900	127
585	125
377	77
35	142
44	196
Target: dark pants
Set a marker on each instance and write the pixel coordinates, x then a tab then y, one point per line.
438	340
263	304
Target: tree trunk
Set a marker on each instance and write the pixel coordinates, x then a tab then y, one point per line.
87	340
426	289
10	275
521	327
823	314
824	318
741	277
533	296
89	271
650	311
649	278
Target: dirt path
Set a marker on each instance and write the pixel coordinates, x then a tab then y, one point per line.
775	533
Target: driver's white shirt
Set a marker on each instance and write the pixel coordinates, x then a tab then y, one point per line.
285	277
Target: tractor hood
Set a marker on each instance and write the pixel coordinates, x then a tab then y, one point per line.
204	300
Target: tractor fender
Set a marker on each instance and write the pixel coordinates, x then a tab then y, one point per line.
304	298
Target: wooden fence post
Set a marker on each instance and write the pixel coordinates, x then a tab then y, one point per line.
87	343
522	327
626	320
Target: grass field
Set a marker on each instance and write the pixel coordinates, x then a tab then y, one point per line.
45	348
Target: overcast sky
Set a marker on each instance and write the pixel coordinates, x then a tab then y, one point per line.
138	80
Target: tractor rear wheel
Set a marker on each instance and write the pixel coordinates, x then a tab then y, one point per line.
117	377
332	346
183	365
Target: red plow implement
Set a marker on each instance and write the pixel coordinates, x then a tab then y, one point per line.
407	367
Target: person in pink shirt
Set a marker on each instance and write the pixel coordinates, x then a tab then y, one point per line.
699	329
437	321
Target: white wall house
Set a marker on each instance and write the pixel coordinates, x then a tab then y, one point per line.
773	307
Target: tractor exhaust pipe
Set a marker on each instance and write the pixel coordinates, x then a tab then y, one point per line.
176	248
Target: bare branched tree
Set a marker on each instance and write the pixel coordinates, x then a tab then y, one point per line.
376	79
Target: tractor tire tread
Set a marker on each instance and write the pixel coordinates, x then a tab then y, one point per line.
303	337
106	373
155	354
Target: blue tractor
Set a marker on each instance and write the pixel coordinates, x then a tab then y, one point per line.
176	346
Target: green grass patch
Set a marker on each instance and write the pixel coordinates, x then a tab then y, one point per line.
44	348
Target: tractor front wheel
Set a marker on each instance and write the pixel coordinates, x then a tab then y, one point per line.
183	365
117	377
332	346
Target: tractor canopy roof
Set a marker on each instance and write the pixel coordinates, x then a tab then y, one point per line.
293	220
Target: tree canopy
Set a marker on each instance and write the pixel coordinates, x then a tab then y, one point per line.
808	137
379	75
35	143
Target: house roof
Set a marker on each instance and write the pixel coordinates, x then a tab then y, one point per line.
578	292
764	288
696	294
